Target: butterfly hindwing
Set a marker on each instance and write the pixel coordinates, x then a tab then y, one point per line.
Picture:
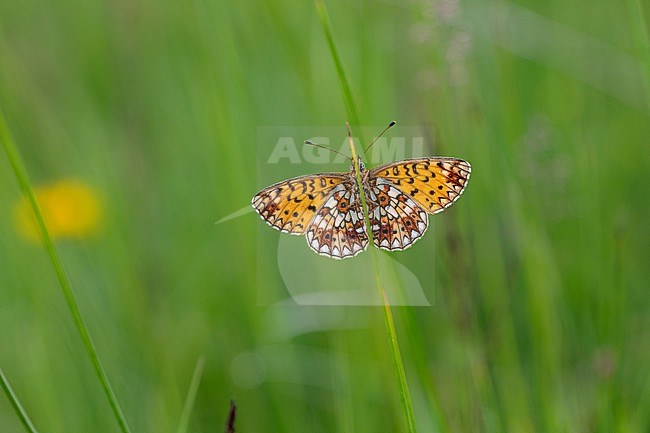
289	206
338	229
397	221
434	183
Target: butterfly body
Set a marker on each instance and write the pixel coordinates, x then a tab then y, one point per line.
327	207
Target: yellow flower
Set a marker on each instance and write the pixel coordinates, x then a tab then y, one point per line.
70	208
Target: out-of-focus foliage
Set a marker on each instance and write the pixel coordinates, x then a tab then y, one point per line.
540	320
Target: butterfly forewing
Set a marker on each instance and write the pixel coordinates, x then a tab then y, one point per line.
290	205
434	183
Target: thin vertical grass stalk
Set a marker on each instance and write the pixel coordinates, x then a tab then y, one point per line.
345	84
405	395
191	396
15	403
20	172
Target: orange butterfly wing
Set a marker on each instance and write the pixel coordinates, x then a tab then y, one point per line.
400	194
434	183
290	205
325	206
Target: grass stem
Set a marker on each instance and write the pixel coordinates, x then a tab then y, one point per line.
20	172
405	395
15	403
345	84
191	396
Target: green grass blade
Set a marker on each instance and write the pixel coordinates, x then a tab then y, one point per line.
191	396
396	354
13	399
20	172
345	84
405	395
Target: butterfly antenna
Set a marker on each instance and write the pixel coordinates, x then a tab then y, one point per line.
390	125
311	143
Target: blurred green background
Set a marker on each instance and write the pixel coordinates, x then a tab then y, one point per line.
541	319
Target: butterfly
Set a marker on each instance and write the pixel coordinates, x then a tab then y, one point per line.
327	207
